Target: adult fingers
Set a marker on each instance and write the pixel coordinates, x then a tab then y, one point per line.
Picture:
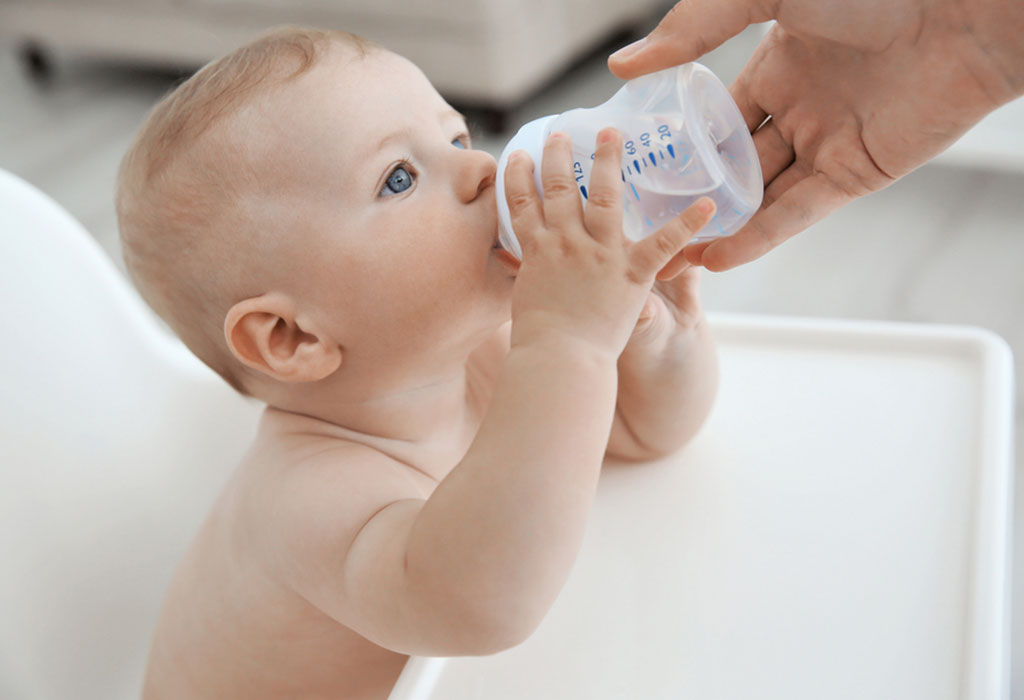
524	207
602	214
752	112
780	173
799	170
562	202
687	32
773	151
803	204
651	254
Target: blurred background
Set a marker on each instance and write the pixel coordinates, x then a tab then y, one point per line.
943	245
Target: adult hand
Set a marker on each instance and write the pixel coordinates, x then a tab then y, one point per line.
843	98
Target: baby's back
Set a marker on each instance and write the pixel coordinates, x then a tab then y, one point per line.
233	624
231	628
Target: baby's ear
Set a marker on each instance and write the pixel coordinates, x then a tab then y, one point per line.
266	334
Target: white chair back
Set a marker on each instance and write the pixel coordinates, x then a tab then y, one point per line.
114	440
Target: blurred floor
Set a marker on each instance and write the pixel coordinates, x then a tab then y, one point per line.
945	244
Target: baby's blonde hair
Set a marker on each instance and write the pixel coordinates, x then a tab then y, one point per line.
180	183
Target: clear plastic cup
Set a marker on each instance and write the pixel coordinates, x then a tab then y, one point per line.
683	138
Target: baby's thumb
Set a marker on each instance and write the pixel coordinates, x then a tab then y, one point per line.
689	30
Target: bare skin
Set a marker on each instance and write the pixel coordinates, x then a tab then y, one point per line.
437	416
843	98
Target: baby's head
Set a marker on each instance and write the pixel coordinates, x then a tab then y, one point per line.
307	210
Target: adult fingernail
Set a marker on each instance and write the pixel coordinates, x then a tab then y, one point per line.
630	49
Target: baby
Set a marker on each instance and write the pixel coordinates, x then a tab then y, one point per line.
308	215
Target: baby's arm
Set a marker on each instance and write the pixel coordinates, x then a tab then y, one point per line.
474	569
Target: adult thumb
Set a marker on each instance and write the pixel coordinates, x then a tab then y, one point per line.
689	30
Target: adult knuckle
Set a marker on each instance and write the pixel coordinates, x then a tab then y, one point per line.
674	16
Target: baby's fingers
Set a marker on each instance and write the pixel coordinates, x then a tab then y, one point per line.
524	206
651	254
603	213
563	207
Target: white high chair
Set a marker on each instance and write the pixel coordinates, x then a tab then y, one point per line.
839	529
114	440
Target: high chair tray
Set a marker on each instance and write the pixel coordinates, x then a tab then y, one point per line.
839	529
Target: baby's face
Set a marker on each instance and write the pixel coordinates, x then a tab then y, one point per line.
383	219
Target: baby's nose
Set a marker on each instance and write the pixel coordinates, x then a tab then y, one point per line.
477	174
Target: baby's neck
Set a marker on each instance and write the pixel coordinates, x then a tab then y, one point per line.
428	426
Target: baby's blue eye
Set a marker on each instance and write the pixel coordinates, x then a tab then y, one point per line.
398	181
457	142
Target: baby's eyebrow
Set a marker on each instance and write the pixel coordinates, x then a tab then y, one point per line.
391	137
444	114
452	112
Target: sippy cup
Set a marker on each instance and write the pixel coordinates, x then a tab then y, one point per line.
683	138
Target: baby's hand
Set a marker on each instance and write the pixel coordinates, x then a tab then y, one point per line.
580	276
673	307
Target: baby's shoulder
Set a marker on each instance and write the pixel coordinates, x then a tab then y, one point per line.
311	501
297	464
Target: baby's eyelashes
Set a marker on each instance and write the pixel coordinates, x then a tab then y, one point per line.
400	179
403	176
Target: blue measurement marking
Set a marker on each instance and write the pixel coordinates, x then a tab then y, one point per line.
584	191
636	166
623	175
648	221
661	155
671	151
633	187
651	156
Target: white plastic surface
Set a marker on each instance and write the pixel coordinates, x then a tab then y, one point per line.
838	530
114	441
683	138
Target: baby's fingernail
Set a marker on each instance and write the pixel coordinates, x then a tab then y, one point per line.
557	135
606	136
628	50
705	205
